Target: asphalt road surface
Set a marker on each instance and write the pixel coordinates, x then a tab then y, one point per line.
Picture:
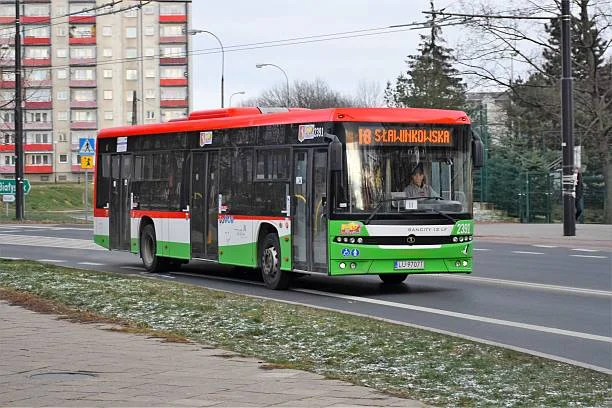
548	300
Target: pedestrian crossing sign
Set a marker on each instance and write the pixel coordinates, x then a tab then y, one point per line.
87	146
87	162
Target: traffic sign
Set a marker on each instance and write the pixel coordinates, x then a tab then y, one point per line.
8	186
86	162
8	198
87	146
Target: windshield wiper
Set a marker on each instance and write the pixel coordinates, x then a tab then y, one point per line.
389	200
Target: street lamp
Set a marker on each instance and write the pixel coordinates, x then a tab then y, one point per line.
284	73
193	32
235	93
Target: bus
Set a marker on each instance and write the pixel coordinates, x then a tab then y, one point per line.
292	192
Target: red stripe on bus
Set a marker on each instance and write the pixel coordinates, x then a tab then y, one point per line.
253	217
159	214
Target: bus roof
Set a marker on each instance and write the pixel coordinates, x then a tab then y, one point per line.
252	116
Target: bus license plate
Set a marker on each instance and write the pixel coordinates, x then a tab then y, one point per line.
409	265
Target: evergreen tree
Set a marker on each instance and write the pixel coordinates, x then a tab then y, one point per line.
430	81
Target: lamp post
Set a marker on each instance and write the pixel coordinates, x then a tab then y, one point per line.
235	93
193	32
284	73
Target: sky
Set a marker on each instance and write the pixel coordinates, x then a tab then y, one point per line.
342	63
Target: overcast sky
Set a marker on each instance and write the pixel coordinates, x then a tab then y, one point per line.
341	63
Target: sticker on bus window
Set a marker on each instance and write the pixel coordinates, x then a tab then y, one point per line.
307	132
350	229
206	138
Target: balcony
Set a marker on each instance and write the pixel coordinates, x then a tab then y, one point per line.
83	104
35	19
83	83
6	40
33	83
173	81
7	19
83	61
7	62
172	18
36	40
37	62
37	125
173	39
81	19
174	103
81	40
172	60
38	105
7	126
29	147
84	124
39	169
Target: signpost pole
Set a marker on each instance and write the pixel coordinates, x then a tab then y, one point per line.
86	188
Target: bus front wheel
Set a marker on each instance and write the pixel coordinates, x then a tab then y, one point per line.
272	275
148	249
393	278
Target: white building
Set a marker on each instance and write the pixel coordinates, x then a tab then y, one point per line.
82	62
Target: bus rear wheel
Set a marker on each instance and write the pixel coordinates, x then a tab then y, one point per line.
393	278
148	249
273	276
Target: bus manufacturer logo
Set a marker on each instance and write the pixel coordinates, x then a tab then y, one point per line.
411	239
350	229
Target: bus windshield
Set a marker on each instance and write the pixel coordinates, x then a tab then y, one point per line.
406	168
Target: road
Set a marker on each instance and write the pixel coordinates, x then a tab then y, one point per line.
548	300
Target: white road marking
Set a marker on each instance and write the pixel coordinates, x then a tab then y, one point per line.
528	252
91	263
591	256
50	260
10	258
545	246
481	249
53	242
585	250
527	285
465	316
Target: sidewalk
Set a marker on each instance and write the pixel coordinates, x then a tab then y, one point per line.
50	362
592	236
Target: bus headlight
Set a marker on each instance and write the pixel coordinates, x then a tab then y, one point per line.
359	240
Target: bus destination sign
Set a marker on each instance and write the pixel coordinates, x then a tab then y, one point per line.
405	136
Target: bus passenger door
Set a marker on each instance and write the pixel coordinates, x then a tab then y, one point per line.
204	195
119	220
309	183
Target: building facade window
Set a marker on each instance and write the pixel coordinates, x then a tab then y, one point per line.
107	52
131	74
63	158
131	32
108	115
108	73
108	94
107	31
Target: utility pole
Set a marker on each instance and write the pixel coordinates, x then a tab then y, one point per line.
18	119
567	114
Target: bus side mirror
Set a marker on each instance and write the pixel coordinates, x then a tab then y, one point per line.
335	155
477	151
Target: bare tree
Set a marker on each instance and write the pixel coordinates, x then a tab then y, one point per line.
368	94
501	45
315	94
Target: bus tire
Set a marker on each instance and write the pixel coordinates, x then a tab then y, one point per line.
393	278
148	248
273	276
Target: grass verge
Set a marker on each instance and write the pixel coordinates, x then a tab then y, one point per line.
403	361
52	203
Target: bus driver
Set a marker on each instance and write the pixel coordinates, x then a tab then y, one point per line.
418	186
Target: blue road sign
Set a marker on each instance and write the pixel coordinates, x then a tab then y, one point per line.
87	146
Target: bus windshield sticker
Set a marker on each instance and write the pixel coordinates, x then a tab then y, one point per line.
405	136
121	144
206	138
307	132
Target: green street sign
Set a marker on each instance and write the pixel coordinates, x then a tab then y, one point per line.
8	187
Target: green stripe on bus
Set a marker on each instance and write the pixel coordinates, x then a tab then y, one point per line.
240	255
179	250
102	240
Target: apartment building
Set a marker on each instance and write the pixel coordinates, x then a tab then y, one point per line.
83	62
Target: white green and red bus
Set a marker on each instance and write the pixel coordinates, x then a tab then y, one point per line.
292	191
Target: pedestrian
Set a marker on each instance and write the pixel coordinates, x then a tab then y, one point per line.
579	195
